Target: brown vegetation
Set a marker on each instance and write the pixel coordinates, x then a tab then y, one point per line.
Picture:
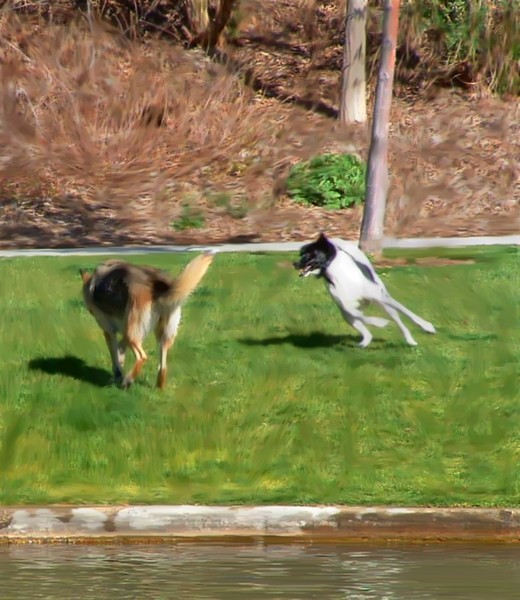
106	138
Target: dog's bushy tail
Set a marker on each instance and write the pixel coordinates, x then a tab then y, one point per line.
189	279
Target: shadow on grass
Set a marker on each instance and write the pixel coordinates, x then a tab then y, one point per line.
304	340
317	339
323	340
473	337
71	366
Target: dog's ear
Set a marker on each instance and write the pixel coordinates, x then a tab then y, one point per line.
85	275
323	244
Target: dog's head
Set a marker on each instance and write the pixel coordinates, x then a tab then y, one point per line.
315	257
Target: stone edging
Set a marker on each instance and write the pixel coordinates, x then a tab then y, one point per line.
312	523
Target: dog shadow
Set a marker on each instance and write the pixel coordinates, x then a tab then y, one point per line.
73	367
318	339
473	337
314	339
309	340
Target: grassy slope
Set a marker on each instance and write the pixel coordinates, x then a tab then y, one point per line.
269	400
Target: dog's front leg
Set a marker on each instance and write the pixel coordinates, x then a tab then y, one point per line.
117	369
356	323
402	327
349	303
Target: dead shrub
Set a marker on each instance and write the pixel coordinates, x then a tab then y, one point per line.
86	113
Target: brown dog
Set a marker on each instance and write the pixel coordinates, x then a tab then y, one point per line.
132	300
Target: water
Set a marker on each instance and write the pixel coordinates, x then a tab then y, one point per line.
229	572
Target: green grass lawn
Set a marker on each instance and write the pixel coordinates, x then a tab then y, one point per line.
269	398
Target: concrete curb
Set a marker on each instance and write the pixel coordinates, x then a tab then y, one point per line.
404	243
292	523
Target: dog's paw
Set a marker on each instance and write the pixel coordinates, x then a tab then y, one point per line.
429	328
126	383
118	377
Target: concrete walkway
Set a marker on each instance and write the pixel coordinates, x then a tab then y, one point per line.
404	243
275	523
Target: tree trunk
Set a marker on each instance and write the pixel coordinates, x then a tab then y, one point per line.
353	104
218	19
377	172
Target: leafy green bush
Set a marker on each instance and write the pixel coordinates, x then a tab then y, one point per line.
190	218
329	180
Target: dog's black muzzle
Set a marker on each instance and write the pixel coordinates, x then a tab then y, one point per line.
304	266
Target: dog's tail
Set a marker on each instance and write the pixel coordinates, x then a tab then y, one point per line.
189	279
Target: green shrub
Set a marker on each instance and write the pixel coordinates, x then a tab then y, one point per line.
329	180
190	218
235	207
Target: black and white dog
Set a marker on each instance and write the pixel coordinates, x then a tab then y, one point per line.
353	281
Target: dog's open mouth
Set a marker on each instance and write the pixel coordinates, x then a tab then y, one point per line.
306	266
306	270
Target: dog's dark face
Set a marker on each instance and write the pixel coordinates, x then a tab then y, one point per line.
315	257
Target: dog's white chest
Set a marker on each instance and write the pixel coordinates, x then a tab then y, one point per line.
346	289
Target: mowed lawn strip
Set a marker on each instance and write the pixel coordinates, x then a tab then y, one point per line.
269	398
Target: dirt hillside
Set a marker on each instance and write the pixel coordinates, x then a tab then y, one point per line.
147	142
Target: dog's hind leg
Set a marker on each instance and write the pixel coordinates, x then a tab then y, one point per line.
165	334
388	301
164	346
404	330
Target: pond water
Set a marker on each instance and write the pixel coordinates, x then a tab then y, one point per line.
229	572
